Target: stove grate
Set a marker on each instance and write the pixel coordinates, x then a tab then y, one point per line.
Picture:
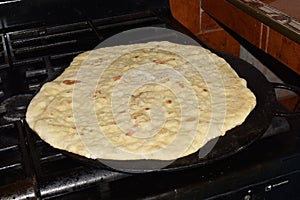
44	41
3	53
113	25
15	165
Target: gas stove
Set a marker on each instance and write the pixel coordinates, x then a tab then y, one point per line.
38	40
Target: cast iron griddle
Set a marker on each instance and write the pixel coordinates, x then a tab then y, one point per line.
233	141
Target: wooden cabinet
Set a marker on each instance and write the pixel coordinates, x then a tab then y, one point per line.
268	33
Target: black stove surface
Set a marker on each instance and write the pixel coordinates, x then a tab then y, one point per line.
31	168
37	43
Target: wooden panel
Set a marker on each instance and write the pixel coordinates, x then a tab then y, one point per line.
284	49
207	23
264	37
187	13
221	40
234	18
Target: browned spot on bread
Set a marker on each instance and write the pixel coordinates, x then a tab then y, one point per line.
159	61
117	78
162	131
190	119
129	133
205	90
137	115
147	108
70	82
96	93
169	101
181	84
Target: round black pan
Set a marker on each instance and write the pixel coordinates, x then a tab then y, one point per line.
233	141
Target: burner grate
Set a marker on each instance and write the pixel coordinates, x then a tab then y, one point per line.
109	26
44	41
31	74
27	14
56	173
14	163
4	83
4	66
40	54
3	53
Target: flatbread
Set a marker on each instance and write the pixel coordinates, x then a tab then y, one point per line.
156	100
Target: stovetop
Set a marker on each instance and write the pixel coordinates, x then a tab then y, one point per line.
37	44
31	168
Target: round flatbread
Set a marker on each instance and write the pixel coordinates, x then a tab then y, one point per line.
156	100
